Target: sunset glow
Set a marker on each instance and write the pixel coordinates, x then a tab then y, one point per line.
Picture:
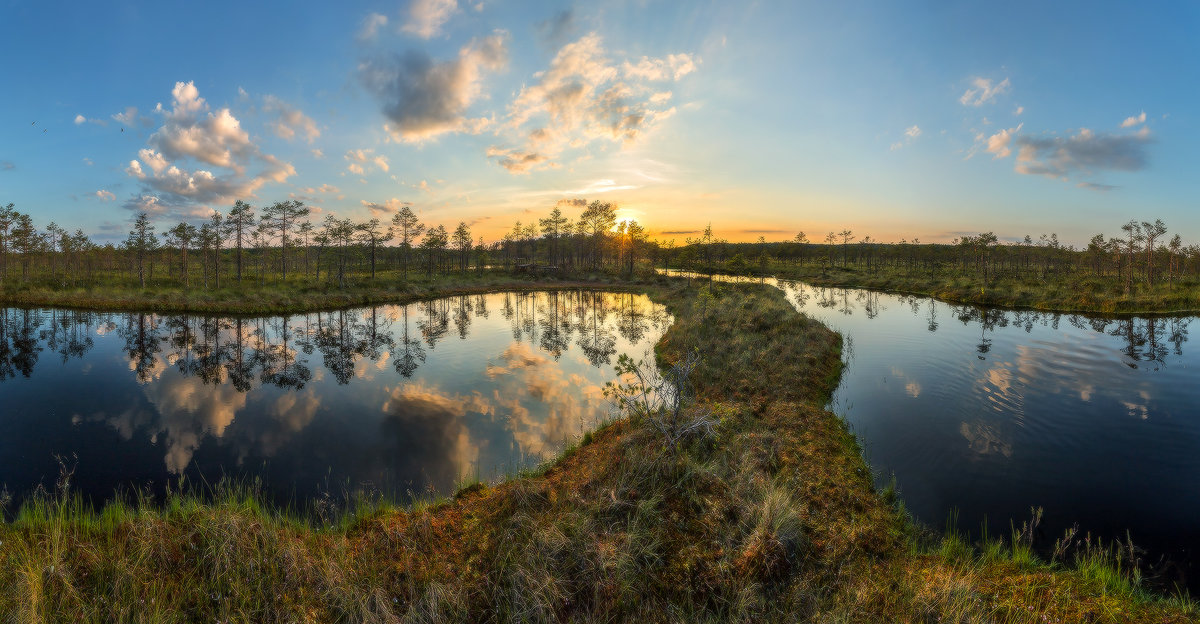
764	119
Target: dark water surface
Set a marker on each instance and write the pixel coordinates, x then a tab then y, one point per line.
986	413
391	399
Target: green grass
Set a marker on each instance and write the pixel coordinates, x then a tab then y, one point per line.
295	295
772	518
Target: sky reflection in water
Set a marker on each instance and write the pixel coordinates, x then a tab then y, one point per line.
986	413
395	399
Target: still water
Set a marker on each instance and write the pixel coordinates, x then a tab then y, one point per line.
981	414
395	400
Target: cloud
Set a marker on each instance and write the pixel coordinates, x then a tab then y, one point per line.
290	120
191	137
363	161
516	161
673	67
129	117
425	98
582	97
1000	144
80	120
1020	109
983	91
555	30
1128	123
371	26
1085	152
1103	188
426	17
386	208
7	166
104	195
910	133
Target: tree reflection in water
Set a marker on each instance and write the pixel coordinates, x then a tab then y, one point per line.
270	389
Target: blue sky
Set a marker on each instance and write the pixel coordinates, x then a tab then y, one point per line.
897	120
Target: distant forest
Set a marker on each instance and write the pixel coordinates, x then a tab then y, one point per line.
280	243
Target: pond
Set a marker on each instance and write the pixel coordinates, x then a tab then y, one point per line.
981	414
397	400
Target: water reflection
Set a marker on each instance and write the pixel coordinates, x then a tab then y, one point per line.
990	412
407	398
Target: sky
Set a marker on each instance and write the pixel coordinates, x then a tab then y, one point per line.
915	120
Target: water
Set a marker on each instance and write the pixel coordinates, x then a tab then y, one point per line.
986	413
393	400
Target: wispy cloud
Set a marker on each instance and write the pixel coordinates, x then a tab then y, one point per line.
371	26
1103	188
584	96
982	91
910	134
290	120
426	17
554	31
386	208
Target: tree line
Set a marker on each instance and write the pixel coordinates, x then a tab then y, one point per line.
1142	255
280	242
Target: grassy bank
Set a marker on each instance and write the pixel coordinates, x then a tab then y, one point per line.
1078	293
293	296
771	517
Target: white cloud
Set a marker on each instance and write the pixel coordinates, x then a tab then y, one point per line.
426	17
1128	123
80	120
582	97
365	160
1000	144
425	98
1020	109
290	120
371	26
983	91
673	67
191	137
104	195
910	134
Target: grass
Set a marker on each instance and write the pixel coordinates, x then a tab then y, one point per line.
295	295
772	518
1074	293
